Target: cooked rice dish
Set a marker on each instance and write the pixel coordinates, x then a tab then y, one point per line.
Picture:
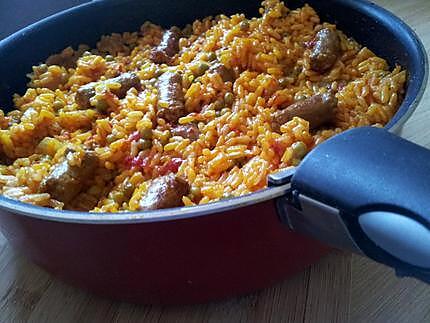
165	118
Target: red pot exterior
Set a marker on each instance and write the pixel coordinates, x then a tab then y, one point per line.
183	261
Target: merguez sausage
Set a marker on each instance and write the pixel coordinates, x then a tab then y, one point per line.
127	81
188	131
317	110
84	95
87	91
168	47
164	192
226	74
66	181
326	50
170	97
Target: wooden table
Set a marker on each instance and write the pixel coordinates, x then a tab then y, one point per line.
340	288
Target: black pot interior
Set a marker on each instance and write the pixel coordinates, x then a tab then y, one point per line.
372	27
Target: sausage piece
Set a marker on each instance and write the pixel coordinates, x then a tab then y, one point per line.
84	95
5	160
164	192
226	74
170	97
188	131
168	47
87	91
66	181
127	81
317	110
326	50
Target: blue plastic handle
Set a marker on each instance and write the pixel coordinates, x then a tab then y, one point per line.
380	183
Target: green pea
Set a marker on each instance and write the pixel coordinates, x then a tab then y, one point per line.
218	105
146	133
144	144
58	105
244	25
211	56
203	67
299	149
228	98
299	97
101	106
199	69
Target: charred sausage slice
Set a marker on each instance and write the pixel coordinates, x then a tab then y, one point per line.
326	50
87	91
168	47
127	81
226	74
188	131
164	192
170	97
66	181
317	110
84	95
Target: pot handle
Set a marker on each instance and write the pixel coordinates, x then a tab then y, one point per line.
379	186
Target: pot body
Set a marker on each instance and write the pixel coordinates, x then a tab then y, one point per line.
170	262
194	259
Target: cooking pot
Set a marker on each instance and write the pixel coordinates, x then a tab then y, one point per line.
366	190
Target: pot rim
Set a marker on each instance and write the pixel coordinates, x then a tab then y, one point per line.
43	213
172	214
